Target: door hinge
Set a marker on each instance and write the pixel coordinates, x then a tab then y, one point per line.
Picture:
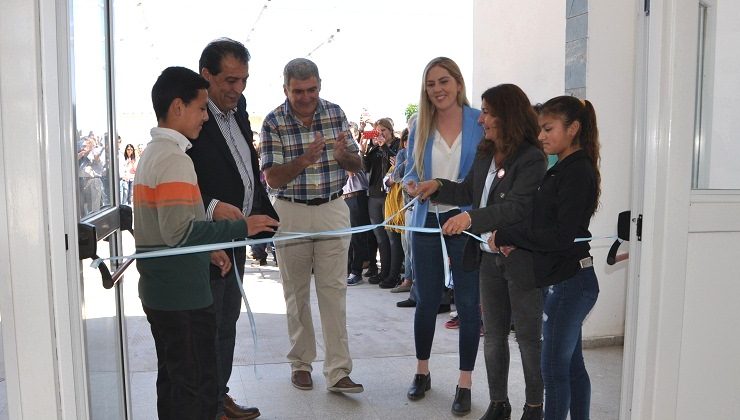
66	242
638	231
646	7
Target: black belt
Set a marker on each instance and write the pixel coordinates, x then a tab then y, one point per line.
312	202
353	194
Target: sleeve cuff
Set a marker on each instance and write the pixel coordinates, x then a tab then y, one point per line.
210	209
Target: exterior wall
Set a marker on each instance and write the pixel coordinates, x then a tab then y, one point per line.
519	42
610	87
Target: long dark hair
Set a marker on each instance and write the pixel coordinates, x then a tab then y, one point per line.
570	109
133	150
517	120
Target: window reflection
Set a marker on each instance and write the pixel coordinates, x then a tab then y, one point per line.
91	106
92	172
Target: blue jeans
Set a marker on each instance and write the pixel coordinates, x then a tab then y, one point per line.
567	385
430	283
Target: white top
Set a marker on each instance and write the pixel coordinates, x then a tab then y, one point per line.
484	202
446	163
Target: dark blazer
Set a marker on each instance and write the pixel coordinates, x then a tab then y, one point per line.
509	199
218	176
563	206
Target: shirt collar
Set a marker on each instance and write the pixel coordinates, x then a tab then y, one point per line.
289	111
175	136
217	112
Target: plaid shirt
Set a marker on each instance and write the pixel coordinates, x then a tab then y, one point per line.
284	138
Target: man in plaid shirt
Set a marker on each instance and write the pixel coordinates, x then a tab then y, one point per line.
306	150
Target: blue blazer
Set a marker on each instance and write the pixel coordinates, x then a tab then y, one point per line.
472	133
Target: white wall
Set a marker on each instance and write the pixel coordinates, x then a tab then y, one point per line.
520	42
610	87
524	43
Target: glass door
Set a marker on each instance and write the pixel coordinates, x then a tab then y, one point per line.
99	216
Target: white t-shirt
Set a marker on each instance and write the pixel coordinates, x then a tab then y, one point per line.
484	202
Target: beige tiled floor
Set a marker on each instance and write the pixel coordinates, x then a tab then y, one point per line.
381	342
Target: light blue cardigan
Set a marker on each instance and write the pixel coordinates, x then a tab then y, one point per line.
472	133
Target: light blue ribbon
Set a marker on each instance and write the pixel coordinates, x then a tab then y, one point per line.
288	236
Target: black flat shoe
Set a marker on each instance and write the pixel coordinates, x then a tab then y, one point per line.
532	413
461	404
500	410
419	386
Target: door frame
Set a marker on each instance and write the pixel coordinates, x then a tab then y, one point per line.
43	368
657	285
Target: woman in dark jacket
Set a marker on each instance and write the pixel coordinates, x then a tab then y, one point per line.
500	186
563	206
378	155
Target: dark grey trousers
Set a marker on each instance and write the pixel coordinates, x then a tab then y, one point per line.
508	293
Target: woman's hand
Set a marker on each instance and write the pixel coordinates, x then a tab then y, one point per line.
506	250
457	224
492	242
363	145
423	189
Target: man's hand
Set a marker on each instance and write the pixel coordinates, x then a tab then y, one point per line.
423	189
226	211
278	176
347	160
261	223
315	150
340	147
221	260
455	225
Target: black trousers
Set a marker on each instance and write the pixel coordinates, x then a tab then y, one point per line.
186	360
227	303
359	248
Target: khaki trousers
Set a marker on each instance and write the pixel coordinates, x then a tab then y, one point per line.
328	258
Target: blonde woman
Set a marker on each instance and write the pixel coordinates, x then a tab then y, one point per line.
442	145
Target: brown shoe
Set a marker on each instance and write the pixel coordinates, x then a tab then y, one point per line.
301	379
346	385
233	410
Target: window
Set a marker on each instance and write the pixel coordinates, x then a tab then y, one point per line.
716	145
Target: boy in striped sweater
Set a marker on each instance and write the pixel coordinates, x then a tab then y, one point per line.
169	213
